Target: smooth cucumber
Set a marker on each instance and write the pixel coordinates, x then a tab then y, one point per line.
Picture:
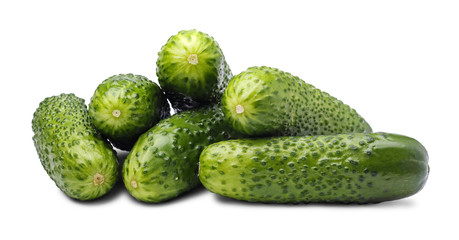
264	101
126	105
346	168
164	161
80	162
192	70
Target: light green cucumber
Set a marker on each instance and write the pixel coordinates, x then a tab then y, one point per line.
264	101
344	168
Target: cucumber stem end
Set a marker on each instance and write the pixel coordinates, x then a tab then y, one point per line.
116	113
239	109
193	59
134	184
98	179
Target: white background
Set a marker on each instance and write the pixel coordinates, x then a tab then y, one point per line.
396	62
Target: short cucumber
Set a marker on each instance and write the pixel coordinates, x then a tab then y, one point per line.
164	161
192	70
346	168
126	105
76	157
264	101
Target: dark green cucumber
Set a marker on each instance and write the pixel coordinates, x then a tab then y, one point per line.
266	101
126	105
164	161
346	168
192	70
81	163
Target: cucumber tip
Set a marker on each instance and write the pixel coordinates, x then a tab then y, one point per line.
239	109
116	113
134	184
98	179
193	59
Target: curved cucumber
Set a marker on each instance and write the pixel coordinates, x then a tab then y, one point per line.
81	163
266	101
192	70
347	168
125	106
164	161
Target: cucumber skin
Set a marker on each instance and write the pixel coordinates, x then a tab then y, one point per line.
345	168
164	161
143	100
192	86
71	150
277	103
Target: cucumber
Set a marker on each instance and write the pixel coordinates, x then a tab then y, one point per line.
164	161
80	162
263	101
192	70
125	106
344	168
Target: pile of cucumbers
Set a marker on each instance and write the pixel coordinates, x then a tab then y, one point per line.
263	135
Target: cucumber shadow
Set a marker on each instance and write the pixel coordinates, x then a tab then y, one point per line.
186	196
401	203
121	155
117	190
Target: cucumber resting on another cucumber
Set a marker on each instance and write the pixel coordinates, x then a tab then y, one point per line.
126	105
192	70
346	168
263	101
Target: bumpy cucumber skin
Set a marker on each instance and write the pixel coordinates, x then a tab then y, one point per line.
80	162
164	161
141	103
276	103
345	168
189	85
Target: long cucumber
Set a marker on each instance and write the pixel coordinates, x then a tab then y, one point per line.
347	168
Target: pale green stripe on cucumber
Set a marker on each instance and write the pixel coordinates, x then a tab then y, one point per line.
264	101
345	168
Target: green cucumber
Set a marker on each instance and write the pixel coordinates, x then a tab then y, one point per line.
345	168
80	162
263	101
164	161
192	70
126	105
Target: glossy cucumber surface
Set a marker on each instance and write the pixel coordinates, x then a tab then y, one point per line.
164	161
345	168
